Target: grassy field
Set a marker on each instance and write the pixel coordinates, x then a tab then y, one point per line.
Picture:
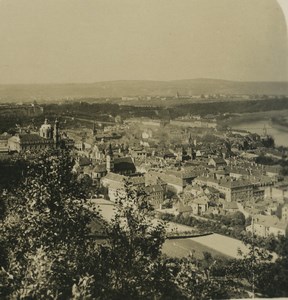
183	247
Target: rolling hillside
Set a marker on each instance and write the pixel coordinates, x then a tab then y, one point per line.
132	88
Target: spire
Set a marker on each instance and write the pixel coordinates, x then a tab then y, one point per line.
264	130
190	140
110	151
109	159
56	133
94	129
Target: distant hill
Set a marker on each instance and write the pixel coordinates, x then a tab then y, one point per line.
21	92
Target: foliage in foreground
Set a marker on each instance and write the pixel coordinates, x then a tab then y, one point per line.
47	252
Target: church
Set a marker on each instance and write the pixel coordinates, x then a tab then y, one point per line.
120	165
47	138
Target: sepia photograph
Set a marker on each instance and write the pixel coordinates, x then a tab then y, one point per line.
143	149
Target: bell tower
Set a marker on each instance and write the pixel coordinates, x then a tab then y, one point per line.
94	130
109	160
56	133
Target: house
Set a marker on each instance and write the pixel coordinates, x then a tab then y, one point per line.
267	225
185	210
138	153
83	161
217	163
152	179
98	172
174	183
279	192
4	148
199	205
284	213
115	183
138	181
212	192
98	152
230	206
273	208
155	195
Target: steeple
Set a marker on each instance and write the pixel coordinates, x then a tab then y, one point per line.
110	151
94	129
190	140
56	133
109	159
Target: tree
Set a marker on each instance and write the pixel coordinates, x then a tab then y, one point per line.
130	262
238	218
45	230
253	268
196	279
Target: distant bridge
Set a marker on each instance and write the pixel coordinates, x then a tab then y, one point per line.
89	120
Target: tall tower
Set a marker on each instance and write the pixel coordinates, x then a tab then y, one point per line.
94	129
56	133
190	140
109	159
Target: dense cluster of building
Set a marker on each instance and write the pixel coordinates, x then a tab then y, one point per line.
196	175
191	177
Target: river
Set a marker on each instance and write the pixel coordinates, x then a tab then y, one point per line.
279	134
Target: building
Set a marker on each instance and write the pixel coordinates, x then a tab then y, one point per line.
155	195
284	213
174	183
230	206
199	205
48	138
115	183
120	165
217	163
29	142
98	172
267	225
233	190
4	148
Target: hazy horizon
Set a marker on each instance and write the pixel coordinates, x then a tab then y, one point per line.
144	80
73	41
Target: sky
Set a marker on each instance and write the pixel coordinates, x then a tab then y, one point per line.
70	41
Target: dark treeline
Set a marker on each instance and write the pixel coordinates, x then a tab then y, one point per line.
229	107
204	108
108	111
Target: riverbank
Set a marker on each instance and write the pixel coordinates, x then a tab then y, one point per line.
261	123
280	124
255	116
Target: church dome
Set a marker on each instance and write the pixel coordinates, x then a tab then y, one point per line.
46	130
